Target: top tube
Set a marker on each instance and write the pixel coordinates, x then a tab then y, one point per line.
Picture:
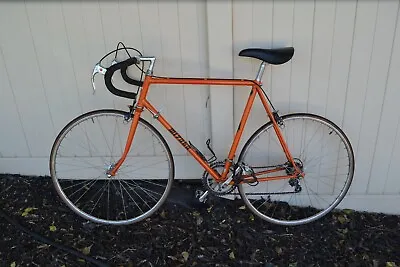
152	60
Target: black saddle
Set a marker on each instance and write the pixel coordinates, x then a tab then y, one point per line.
274	56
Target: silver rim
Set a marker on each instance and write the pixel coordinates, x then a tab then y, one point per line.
328	161
84	151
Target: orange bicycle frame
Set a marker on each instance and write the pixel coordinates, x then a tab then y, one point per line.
143	103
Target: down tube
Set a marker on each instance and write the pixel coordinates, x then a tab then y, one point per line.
180	140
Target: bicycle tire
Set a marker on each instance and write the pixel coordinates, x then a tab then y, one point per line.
131	190
284	212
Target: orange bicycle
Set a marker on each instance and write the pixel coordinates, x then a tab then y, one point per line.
293	170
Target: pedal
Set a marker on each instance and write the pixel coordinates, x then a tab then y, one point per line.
198	193
201	195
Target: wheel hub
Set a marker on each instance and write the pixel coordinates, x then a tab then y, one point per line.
109	168
290	169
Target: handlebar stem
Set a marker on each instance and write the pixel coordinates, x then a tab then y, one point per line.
151	66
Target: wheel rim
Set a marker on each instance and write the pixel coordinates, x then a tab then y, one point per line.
88	147
328	162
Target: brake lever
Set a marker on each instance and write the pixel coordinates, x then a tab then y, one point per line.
99	69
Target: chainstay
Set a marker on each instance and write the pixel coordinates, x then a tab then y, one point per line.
269	167
267	193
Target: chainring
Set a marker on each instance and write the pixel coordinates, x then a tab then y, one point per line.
213	186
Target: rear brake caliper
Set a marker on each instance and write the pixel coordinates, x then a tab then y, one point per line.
278	119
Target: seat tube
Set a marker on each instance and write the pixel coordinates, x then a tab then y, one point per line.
261	71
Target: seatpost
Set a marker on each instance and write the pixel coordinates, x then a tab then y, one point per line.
260	71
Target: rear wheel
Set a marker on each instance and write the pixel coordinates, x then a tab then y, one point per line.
319	148
89	146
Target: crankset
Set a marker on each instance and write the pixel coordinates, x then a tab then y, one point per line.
214	187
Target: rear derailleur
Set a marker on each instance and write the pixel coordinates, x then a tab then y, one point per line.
290	170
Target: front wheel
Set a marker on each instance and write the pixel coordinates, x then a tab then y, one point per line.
320	148
89	146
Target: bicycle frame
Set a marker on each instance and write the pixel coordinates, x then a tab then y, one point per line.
143	103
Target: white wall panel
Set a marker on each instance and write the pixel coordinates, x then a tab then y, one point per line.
345	67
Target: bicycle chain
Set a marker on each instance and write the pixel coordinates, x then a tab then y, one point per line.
269	167
229	192
267	193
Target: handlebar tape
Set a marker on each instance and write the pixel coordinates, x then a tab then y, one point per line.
123	66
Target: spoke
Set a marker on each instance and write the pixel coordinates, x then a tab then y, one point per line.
333	175
143	150
306	146
134	191
113	139
143	176
315	194
74	165
122	197
290	205
90	143
120	141
262	203
261	199
84	193
101	128
108	200
320	157
148	165
87	140
322	137
302	140
91	182
331	168
117	192
146	190
79	143
85	161
275	206
308	194
125	170
69	180
133	200
292	138
284	184
79	169
146	181
268	147
102	189
132	168
323	147
321	181
315	178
